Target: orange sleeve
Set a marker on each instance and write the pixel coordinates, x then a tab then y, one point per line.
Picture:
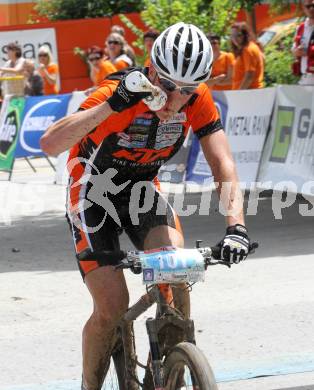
249	59
230	59
105	90
53	69
106	68
121	65
204	114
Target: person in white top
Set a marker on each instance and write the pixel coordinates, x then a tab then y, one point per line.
12	68
303	48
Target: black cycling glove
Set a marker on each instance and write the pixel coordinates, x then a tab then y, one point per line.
122	98
235	246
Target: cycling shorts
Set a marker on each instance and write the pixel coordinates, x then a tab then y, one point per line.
97	225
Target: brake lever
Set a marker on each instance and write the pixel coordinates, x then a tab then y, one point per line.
124	264
253	246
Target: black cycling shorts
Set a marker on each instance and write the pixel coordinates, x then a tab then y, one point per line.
96	225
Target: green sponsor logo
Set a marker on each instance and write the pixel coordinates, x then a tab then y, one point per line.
283	134
9	133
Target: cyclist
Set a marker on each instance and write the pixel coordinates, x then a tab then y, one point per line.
117	143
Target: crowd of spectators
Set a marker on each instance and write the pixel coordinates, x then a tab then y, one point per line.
242	67
20	76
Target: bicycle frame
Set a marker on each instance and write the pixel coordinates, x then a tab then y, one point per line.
164	331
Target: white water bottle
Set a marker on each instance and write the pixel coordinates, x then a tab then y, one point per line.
138	82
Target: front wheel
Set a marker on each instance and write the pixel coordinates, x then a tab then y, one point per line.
186	368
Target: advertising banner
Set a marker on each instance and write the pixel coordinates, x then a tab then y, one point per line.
246	117
62	175
10	120
289	151
39	113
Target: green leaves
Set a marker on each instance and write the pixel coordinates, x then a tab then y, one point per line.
278	61
80	9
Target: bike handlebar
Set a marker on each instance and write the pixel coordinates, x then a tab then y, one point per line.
130	259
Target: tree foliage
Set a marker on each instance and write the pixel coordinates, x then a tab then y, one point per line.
80	9
215	16
278	62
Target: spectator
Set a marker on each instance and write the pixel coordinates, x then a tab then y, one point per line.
34	85
115	44
99	68
222	71
48	70
303	48
13	68
128	49
248	70
149	38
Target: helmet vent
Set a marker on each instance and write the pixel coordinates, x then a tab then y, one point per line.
176	48
161	65
187	54
200	55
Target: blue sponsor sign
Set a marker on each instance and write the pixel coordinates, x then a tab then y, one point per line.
39	113
197	167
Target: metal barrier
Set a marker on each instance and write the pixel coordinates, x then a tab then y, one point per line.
12	85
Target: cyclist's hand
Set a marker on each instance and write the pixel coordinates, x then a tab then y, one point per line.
235	246
122	98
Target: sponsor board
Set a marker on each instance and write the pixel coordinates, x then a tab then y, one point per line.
289	151
246	117
39	113
11	113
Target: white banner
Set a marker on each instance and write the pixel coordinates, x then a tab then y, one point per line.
62	175
288	157
246	117
30	41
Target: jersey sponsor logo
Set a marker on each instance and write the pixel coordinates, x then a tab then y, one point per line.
168	135
134	141
144	156
124	136
179	117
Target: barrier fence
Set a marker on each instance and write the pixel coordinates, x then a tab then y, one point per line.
271	133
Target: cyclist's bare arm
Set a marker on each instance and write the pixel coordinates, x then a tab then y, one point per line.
66	132
218	155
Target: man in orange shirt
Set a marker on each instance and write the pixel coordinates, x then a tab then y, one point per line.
249	59
221	76
116	136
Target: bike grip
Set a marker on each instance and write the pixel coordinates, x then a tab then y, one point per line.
216	252
104	257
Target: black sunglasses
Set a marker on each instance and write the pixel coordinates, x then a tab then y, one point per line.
114	43
43	55
94	59
171	86
309	6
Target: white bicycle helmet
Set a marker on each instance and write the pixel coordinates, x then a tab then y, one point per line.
183	53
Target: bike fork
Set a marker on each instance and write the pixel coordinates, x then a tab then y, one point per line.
155	354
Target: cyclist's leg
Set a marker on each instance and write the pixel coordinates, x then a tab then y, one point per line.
159	227
99	331
107	286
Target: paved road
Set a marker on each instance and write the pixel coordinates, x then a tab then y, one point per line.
255	320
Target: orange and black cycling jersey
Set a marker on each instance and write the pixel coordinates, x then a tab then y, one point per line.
135	142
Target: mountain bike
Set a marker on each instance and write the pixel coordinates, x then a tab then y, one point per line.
174	361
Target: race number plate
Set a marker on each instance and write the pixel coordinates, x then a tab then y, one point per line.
172	265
